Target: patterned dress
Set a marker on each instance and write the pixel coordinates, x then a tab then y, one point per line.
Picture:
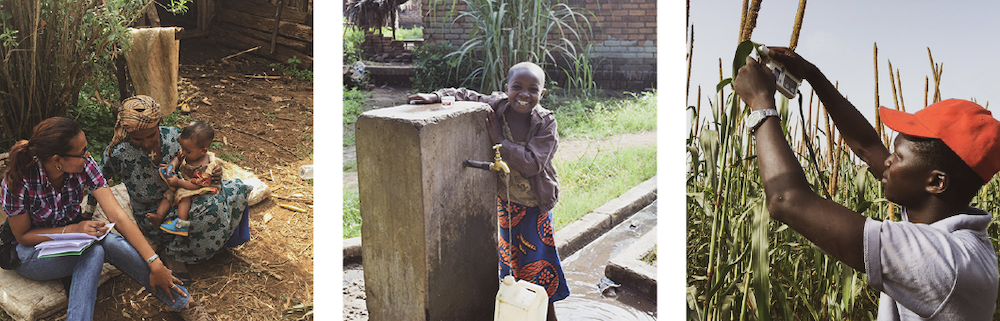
213	217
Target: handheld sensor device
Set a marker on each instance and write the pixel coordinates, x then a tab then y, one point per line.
787	83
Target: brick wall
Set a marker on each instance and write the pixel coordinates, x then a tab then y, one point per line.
382	48
624	38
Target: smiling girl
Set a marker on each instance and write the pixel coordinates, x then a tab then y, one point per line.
528	138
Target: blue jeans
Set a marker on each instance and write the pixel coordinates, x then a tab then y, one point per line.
86	271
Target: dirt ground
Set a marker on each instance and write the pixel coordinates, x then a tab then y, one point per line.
265	125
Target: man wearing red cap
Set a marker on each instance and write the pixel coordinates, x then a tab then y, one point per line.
937	263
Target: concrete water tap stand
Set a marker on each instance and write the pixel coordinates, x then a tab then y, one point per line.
429	227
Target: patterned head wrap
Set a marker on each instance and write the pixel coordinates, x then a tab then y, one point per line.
138	112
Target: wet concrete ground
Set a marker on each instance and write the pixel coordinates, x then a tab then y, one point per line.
583	270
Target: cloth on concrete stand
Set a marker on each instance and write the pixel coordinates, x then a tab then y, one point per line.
152	64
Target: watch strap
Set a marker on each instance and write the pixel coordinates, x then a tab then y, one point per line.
759	116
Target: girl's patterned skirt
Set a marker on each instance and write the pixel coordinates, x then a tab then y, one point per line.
526	244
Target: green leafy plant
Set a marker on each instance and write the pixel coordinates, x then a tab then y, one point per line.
354	101
50	50
292	69
353	104
178	6
353	38
433	70
508	32
176	119
580	73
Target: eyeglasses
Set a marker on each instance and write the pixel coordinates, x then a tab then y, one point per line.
85	154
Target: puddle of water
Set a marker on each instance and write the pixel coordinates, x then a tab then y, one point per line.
585	268
574	308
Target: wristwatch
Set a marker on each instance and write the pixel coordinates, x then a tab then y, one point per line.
757	118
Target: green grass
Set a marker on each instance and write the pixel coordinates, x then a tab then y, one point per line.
590	118
226	153
354	101
175	119
589	182
404	34
650	258
352	213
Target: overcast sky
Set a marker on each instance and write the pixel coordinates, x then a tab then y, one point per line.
838	37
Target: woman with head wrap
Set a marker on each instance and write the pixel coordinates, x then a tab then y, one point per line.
138	148
41	192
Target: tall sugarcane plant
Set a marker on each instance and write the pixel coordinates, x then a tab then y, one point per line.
49	50
507	32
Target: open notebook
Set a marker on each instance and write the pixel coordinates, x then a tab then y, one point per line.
68	243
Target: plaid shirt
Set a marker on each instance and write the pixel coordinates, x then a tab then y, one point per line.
48	206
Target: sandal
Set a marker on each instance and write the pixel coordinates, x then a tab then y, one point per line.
195	312
173	227
167	172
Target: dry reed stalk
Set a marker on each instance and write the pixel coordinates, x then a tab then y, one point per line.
836	168
892	83
936	72
927	83
721	98
743	18
690	56
829	131
878	120
750	21
812	130
798	25
697	114
899	80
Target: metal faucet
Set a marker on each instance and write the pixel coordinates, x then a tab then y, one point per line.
497	165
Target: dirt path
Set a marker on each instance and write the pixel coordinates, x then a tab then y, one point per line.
568	149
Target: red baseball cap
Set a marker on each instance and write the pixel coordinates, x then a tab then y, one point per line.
967	128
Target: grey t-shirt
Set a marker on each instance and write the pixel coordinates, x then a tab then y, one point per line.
946	270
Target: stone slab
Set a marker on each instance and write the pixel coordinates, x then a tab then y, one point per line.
352	250
629	270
